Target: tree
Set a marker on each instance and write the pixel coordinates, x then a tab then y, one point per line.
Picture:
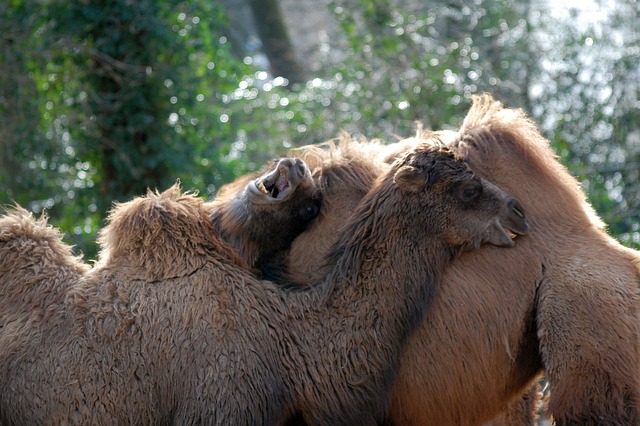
275	40
588	102
396	66
25	172
123	93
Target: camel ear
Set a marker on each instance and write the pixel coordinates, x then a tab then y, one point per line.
409	178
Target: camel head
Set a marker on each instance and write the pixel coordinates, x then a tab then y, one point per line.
463	209
261	215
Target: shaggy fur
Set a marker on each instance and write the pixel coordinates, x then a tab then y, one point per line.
171	328
564	300
336	165
35	268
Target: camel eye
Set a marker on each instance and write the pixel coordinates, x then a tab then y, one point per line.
470	191
309	212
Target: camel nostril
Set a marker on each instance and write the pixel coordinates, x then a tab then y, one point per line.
517	208
518	212
288	162
297	168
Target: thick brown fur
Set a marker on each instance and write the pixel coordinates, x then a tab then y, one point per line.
336	165
170	326
565	299
36	267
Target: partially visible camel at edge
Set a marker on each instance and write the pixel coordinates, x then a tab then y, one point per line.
170	328
564	300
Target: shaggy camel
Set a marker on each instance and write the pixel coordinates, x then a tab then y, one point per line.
344	172
167	328
564	300
261	214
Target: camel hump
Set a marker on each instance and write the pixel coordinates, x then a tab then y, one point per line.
33	258
146	231
17	222
25	239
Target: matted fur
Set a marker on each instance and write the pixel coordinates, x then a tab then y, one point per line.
565	298
339	164
35	268
151	236
199	340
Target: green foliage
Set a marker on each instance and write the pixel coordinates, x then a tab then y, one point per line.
142	77
104	99
392	68
588	101
25	172
424	65
123	93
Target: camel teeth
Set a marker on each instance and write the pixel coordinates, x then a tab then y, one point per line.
261	187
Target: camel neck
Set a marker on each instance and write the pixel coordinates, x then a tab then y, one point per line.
393	275
357	320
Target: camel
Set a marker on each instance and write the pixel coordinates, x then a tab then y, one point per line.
563	301
261	214
171	327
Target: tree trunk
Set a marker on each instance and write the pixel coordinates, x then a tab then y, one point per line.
275	40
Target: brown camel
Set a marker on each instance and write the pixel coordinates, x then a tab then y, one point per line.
261	214
565	300
170	328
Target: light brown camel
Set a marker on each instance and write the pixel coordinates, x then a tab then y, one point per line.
167	328
564	300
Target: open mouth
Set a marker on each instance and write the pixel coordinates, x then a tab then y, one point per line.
275	183
513	234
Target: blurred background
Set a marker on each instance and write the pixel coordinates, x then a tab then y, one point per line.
102	99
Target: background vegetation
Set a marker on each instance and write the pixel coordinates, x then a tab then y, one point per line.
101	100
